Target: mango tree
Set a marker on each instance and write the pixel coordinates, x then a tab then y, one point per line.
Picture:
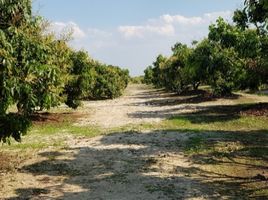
32	67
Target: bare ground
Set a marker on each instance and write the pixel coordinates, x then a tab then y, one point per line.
141	105
135	165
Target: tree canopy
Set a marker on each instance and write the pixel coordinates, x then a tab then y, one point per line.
39	71
232	57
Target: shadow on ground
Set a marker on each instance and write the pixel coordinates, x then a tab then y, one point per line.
207	114
193	106
157	165
162	98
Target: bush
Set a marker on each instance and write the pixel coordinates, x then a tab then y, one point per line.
38	71
13	125
231	58
93	80
137	80
110	82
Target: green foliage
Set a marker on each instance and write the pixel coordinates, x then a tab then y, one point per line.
158	75
148	75
81	78
14	12
231	58
257	13
171	73
137	79
241	19
199	63
38	71
12	125
29	76
92	80
110	82
177	78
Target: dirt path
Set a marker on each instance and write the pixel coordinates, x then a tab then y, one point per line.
142	104
125	165
132	108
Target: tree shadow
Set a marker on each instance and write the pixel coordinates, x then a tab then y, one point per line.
152	165
30	193
205	114
187	106
156	93
211	114
162	98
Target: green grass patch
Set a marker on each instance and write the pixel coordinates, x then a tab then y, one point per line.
51	135
217	123
195	144
67	128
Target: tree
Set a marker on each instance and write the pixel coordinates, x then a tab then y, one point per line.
32	67
232	57
90	79
226	65
170	73
254	42
38	71
148	75
81	80
15	13
158	74
199	63
177	79
257	14
110	82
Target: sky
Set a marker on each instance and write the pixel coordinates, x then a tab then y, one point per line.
132	33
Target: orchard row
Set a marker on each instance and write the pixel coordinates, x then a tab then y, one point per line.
39	71
232	56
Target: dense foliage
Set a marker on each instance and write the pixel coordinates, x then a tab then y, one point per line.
31	67
90	79
137	80
38	71
232	57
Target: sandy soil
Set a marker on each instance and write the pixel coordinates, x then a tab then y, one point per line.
141	105
122	166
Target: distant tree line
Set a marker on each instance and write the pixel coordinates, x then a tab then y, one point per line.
137	80
90	79
39	71
231	57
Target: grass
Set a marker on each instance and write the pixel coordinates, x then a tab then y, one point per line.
195	144
65	128
50	135
44	135
199	123
222	143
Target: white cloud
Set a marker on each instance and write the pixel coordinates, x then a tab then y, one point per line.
136	46
131	31
140	31
172	25
97	33
181	19
211	17
60	28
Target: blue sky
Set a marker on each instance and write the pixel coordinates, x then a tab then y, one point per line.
131	33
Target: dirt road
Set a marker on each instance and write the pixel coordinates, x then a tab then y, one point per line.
141	105
130	165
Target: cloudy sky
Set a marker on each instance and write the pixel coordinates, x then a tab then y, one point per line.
131	33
